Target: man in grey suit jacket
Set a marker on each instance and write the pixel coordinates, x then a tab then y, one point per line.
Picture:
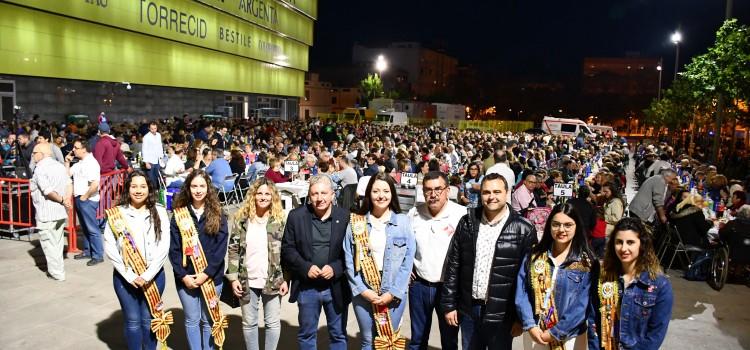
312	250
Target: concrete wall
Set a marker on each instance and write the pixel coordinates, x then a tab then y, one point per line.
53	99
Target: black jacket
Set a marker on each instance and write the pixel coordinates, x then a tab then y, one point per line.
516	239
297	253
692	225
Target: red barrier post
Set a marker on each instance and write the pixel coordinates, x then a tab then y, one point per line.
72	229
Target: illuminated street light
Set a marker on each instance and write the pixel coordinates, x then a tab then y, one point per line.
381	64
676	40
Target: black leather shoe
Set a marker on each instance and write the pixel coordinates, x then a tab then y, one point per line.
93	262
81	256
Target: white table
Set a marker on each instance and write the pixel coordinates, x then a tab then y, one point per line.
298	187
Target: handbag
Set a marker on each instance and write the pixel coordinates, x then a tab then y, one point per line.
227	295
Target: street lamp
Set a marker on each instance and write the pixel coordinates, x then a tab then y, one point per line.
676	39
381	64
658	93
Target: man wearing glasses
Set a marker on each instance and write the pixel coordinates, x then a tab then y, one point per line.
481	267
85	175
50	192
434	223
523	197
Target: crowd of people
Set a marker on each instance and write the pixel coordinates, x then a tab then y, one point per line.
492	247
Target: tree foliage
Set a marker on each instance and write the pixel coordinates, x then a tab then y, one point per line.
372	88
723	70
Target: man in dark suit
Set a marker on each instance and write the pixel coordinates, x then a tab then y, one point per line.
312	250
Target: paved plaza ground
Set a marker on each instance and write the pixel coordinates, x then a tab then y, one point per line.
83	312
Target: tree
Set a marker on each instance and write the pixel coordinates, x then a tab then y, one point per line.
723	73
372	88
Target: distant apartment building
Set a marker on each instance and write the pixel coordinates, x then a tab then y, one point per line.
620	76
615	88
412	68
323	97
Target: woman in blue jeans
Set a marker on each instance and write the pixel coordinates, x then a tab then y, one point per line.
391	245
202	201
148	226
632	305
255	262
554	283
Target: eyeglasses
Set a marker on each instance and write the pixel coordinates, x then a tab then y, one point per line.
74	147
436	191
567	226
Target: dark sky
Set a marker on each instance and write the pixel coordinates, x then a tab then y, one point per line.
523	39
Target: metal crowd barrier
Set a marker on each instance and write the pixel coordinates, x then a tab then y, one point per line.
111	186
16	211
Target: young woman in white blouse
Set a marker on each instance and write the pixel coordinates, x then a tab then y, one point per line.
148	229
254	265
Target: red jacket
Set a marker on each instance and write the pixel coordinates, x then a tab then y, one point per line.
276	177
106	151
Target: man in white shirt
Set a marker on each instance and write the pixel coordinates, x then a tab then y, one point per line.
434	223
152	151
85	175
501	167
50	192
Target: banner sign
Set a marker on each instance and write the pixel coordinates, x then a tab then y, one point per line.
36	43
187	22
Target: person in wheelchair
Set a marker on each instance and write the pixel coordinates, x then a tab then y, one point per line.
736	234
690	222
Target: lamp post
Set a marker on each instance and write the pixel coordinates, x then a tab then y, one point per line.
676	39
381	65
658	93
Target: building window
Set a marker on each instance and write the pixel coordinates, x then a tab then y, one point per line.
333	100
307	95
307	113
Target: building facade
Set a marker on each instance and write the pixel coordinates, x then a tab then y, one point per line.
134	59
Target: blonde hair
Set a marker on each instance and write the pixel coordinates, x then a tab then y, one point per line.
693	199
248	211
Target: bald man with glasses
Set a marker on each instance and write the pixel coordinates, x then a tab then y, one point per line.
51	190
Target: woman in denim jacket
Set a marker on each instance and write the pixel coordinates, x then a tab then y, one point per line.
554	283
392	247
632	306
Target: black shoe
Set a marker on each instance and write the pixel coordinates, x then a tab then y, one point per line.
81	256
93	262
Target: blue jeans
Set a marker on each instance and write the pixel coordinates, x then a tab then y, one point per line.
363	311
153	174
197	319
424	297
310	300
135	310
476	335
92	234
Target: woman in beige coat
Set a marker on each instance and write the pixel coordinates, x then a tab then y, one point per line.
614	205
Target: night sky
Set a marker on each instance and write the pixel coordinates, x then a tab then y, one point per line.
523	40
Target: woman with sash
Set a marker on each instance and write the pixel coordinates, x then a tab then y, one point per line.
254	264
379	251
136	242
554	282
632	302
199	242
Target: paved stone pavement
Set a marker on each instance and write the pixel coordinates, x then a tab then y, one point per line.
83	312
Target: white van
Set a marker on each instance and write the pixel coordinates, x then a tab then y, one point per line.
565	127
390	118
603	129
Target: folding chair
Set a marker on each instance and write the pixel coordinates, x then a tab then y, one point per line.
680	247
244	179
226	197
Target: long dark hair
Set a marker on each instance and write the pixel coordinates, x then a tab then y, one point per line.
467	174
367	201
578	246
647	260
213	212
150	199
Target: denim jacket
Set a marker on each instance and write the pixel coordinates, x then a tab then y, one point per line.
645	311
400	247
571	291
